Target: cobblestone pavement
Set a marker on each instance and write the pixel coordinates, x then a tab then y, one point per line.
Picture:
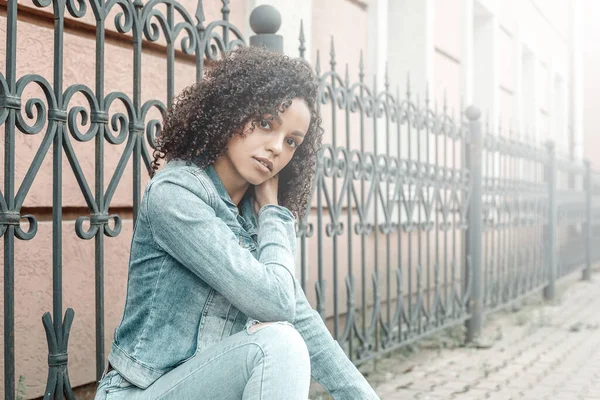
539	352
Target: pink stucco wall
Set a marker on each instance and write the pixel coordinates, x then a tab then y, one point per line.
507	85
447	67
33	259
33	266
35	55
345	20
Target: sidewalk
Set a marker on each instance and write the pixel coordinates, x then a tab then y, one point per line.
539	352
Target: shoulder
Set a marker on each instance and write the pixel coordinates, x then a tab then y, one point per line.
177	177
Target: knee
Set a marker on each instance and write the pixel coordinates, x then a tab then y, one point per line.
283	341
289	345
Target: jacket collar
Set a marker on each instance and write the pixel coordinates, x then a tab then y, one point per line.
248	219
221	191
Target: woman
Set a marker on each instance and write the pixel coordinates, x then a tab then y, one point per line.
213	310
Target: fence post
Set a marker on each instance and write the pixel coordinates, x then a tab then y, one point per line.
586	275
265	21
550	236
474	236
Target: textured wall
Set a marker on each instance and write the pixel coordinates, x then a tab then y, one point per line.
448	33
33	259
591	82
347	22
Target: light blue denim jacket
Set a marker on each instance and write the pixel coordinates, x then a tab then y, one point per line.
199	272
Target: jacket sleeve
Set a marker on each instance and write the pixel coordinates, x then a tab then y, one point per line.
329	364
185	227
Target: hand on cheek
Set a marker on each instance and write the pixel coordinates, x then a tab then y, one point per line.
266	193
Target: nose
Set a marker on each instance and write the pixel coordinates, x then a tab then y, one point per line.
275	144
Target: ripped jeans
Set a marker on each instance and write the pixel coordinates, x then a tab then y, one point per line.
264	361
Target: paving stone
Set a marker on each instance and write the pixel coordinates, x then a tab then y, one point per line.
455	385
398	396
556	355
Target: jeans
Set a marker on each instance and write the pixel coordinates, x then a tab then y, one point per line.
264	361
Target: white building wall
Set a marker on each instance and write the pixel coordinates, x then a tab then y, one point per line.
511	41
506	81
590	85
448	54
410	43
485	62
512	58
576	94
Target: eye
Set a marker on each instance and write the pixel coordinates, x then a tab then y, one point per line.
264	124
292	143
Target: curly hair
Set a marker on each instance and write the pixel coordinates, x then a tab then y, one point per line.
241	87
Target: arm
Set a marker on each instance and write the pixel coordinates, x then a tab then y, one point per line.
329	364
186	227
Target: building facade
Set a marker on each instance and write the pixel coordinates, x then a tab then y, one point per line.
521	62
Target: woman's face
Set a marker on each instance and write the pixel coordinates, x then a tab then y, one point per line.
262	153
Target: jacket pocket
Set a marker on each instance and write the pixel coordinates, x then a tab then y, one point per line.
118	384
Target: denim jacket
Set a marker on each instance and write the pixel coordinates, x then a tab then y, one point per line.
199	272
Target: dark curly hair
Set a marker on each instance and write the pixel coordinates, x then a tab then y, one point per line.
241	87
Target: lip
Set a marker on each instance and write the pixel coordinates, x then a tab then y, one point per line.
266	161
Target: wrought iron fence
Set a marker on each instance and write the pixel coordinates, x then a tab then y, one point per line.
515	214
392	195
84	114
444	220
419	221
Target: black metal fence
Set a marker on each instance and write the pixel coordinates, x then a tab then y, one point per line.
419	220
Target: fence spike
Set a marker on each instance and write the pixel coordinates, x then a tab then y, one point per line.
318	64
332	54
347	76
361	67
500	125
225	9
200	17
302	40
445	101
374	83
387	78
